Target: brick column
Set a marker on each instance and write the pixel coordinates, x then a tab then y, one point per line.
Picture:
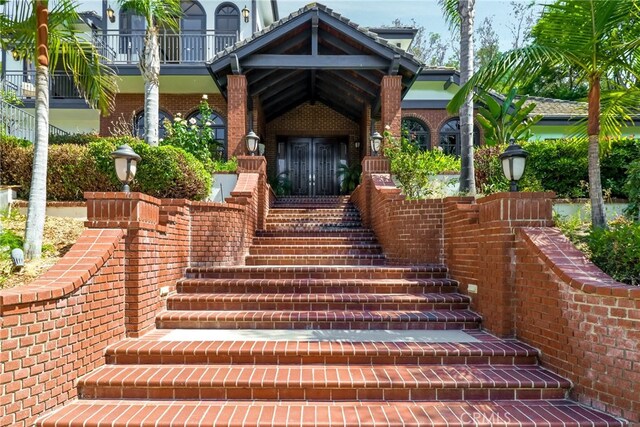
236	114
391	103
139	215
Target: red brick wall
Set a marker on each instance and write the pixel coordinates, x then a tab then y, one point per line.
128	104
308	121
237	99
391	101
586	324
56	329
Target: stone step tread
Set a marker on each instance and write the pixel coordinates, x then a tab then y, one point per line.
329	376
328	241
394	316
294	257
314	297
434	268
355	233
196	413
489	345
319	282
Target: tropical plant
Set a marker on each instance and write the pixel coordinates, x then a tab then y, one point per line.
461	13
155	13
350	177
47	39
596	45
508	120
632	187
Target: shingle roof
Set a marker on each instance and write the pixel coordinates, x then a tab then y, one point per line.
330	12
550	107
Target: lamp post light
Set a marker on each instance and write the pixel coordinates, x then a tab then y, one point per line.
514	160
245	14
111	14
376	142
252	141
126	162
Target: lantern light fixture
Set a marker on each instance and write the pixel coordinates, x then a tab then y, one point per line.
126	163
376	143
252	141
111	14
245	13
514	161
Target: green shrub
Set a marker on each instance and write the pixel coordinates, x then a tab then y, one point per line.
616	250
414	169
74	138
632	188
614	164
230	165
164	172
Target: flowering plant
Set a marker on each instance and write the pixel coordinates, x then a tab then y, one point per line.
194	135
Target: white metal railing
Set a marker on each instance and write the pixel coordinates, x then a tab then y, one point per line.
17	122
175	48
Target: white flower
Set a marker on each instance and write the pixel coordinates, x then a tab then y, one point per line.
387	127
208	123
194	127
179	115
205	96
439	148
192	121
177	119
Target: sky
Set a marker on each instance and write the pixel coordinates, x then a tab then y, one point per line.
371	13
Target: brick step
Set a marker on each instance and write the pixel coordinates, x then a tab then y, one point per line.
314	226
324	259
314	222
353	233
196	413
352	319
331	382
318	302
306	286
349	210
353	249
434	271
145	351
316	240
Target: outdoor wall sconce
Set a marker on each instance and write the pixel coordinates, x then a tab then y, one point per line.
111	14
252	142
126	162
376	142
357	144
514	160
245	13
15	55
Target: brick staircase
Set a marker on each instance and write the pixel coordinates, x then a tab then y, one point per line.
316	330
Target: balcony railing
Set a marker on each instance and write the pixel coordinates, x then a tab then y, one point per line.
17	122
23	85
175	48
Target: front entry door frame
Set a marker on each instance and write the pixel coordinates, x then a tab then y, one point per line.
312	165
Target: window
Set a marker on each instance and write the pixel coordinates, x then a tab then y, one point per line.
192	27
227	25
418	132
450	137
219	130
139	124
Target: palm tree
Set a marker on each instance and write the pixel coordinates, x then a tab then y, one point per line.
460	14
47	39
589	37
166	12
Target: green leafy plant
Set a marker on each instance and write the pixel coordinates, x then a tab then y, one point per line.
508	120
632	188
281	184
350	177
616	250
221	165
490	177
195	136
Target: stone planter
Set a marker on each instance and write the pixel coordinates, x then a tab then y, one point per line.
222	185
573	207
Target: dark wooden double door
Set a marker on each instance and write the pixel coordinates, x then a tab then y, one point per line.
312	165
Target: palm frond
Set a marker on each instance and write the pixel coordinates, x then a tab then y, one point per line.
450	12
166	13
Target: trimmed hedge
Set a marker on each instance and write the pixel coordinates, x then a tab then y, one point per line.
562	166
164	172
616	250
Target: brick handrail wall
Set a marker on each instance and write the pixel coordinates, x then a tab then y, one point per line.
56	329
532	283
109	285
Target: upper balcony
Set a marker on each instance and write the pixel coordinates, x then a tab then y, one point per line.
185	47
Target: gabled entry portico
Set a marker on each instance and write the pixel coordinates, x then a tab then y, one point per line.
277	82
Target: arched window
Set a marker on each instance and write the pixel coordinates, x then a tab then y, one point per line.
139	124
227	25
450	136
193	25
219	130
417	132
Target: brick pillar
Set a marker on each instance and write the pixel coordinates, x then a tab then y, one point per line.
236	114
365	131
252	164
139	215
501	215
391	103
